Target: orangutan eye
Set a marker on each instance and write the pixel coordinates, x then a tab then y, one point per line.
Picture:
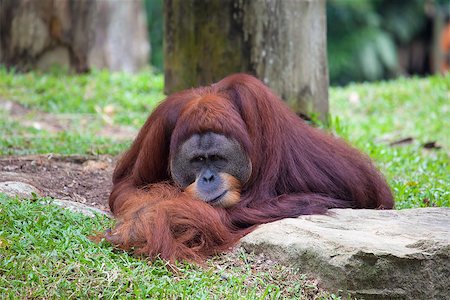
216	158
198	159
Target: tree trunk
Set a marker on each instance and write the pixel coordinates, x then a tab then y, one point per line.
121	39
74	34
282	42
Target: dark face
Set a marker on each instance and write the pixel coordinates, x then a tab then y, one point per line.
212	167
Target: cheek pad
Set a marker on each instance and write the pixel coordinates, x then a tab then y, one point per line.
182	173
240	168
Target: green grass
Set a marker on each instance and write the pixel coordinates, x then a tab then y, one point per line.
18	139
85	102
372	115
45	253
130	97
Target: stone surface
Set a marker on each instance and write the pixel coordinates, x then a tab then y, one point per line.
372	254
25	185
80	207
25	190
84	179
21	189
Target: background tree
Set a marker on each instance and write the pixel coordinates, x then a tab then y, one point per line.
73	34
281	42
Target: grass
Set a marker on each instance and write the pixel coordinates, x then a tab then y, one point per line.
372	115
84	104
130	98
45	252
18	139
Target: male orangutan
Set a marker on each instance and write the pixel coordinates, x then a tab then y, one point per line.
212	163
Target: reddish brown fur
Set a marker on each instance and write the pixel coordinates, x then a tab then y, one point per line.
162	220
296	170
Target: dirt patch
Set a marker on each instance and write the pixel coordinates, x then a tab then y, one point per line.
84	179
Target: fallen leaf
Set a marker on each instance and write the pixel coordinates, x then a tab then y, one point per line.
403	141
431	145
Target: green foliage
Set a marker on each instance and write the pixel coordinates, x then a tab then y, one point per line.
363	36
402	20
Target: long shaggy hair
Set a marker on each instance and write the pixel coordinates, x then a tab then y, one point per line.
296	170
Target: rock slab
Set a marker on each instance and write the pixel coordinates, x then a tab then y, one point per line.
80	208
373	254
21	189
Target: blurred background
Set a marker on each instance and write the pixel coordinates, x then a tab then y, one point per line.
380	39
367	39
